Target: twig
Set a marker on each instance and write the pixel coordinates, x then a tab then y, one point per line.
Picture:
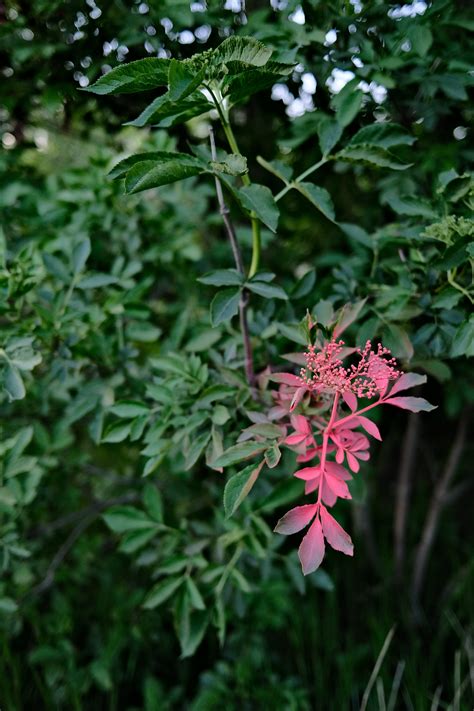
376	669
244	298
402	496
89	515
438	501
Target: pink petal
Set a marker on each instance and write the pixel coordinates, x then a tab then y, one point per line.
352	462
369	426
308	473
335	534
340	455
311	550
407	381
338	487
350	400
414	404
296	519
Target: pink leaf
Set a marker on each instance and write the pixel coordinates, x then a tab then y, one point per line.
335	534
311	550
328	495
300	424
286	378
352	462
297	397
340	472
293	439
348	315
338	487
369	427
414	404
350	400
407	381
311	485
296	519
308	473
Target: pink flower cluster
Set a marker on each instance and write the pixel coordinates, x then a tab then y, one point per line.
334	425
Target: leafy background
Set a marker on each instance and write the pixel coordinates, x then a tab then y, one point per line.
118	561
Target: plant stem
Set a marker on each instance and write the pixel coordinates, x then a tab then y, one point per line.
325	444
224	211
232	141
304	174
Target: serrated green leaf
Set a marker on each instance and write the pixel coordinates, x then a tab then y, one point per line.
268	291
182	80
259	199
129	409
154	173
348	106
384	135
373	155
161	592
239	486
222	277
141	75
164	113
319	197
272	456
246	50
239	452
224	306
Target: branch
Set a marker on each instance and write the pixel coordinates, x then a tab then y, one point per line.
438	501
402	495
244	298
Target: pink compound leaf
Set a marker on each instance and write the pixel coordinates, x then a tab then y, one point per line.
338	487
286	379
369	426
311	550
308	473
335	535
296	519
407	381
350	400
414	404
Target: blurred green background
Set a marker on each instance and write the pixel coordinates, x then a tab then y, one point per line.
74	632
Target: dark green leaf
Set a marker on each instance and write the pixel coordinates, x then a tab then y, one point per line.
239	452
384	135
259	199
222	277
224	306
268	291
141	75
182	80
372	155
239	486
127	518
161	592
319	197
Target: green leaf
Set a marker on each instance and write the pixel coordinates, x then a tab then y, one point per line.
169	168
56	267
141	75
272	456
411	205
397	340
152	502
222	277
132	541
129	409
268	291
421	39
224	306
277	168
95	281
161	592
259	199
372	155
329	132
117	433
13	383
198	445
463	341
239	452
384	135
80	255
239	486
127	518
238	87
203	341
348	106
233	164
164	113
182	80
246	50
319	197
195	596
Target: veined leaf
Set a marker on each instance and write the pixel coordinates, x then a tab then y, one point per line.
222	277
165	112
152	173
122	167
239	452
224	305
373	155
319	197
239	486
182	80
240	49
161	592
141	75
259	199
268	291
383	135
